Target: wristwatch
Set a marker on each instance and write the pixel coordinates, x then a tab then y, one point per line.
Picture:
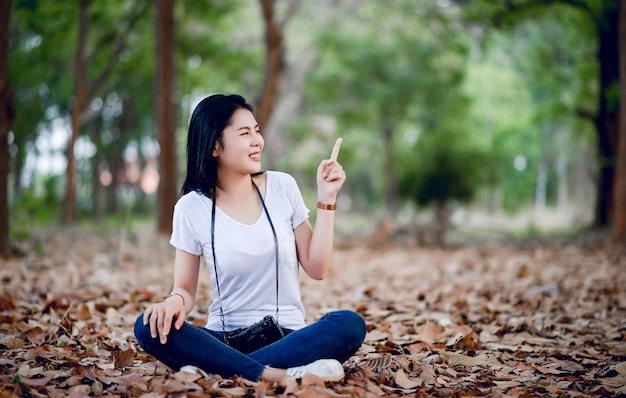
325	206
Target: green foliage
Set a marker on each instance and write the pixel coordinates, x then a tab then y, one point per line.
220	47
120	115
528	83
501	116
442	167
40	74
35	209
387	66
467	105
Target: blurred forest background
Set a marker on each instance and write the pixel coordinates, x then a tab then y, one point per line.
455	114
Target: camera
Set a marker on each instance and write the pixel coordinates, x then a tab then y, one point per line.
254	337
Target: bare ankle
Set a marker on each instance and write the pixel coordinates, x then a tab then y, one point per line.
273	375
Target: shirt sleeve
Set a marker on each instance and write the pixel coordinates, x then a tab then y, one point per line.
184	236
300	211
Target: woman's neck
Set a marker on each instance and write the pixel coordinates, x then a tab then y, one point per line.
238	187
238	198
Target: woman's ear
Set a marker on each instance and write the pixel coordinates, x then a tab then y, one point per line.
215	152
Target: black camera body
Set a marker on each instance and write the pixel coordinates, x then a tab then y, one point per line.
254	337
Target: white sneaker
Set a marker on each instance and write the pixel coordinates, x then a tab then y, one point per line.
194	370
327	369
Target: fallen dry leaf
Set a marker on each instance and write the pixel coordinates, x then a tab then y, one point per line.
123	359
403	381
540	319
459	359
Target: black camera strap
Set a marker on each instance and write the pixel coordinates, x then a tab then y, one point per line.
217	282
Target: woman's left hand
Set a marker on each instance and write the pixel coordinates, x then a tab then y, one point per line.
330	177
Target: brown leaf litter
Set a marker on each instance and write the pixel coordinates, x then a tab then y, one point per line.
541	319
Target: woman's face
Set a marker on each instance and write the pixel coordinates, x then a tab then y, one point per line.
241	146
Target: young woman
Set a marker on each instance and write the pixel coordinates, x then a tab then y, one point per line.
252	229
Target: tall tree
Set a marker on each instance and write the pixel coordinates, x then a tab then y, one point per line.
274	59
166	114
384	68
7	115
85	88
41	79
619	223
605	18
80	98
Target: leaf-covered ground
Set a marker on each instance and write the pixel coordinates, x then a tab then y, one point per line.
538	319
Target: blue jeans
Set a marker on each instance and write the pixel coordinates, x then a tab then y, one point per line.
337	335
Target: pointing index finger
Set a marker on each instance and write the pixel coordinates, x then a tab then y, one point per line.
335	152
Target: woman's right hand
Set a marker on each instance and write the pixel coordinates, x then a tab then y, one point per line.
160	315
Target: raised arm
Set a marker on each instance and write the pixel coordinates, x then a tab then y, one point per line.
315	245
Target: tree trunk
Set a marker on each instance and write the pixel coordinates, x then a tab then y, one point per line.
80	97
442	213
619	219
96	186
116	166
18	166
607	120
391	185
562	189
543	166
165	114
541	184
274	64
7	115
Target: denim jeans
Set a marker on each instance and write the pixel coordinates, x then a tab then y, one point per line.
337	335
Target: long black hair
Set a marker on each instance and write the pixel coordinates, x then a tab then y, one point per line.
208	121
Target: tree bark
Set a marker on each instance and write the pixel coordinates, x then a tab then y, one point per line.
165	114
619	219
607	120
80	97
274	64
7	115
541	182
18	166
391	184
116	165
96	186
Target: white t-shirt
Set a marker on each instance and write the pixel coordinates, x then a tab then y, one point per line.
245	255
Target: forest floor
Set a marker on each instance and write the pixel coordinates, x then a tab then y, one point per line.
538	318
